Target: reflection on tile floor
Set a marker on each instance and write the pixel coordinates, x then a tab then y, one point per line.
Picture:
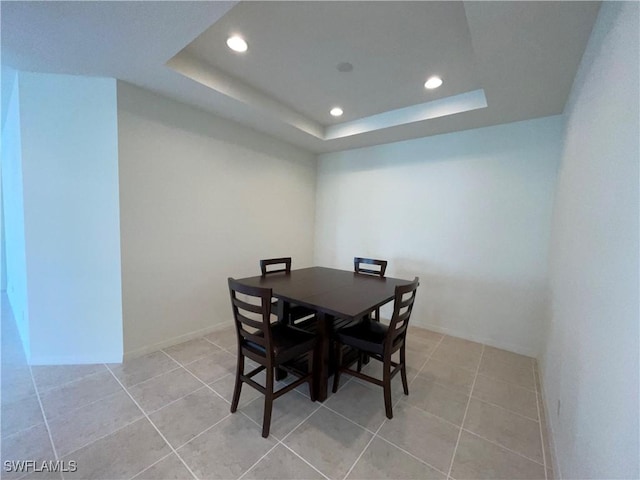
472	413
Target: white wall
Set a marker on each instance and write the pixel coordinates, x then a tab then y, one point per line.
13	217
201	199
468	212
71	218
591	360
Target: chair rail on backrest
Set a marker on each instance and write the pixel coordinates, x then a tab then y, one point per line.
369	261
402	308
261	313
285	261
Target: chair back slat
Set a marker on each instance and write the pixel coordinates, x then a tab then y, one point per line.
243	311
279	265
402	308
380	264
249	321
242	305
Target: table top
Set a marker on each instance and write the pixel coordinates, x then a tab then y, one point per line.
334	292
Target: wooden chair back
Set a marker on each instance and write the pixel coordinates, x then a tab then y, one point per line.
252	317
405	296
284	264
378	267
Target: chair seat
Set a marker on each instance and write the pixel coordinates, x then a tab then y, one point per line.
288	342
367	336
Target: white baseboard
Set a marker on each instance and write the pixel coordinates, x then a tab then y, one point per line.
74	360
175	340
552	444
529	352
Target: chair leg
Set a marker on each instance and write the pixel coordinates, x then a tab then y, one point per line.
238	387
268	403
403	371
361	357
336	375
386	381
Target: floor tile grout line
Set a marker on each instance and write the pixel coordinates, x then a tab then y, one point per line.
85	405
503	447
177	367
502	380
506	409
544	455
303	459
184	365
152	424
259	460
530	359
427	359
488	375
152	465
22	430
449	422
203	432
452	364
217	352
281	442
151	412
364	449
220	346
375	434
202	381
410	454
431	414
466	410
349	420
445	386
46	422
75	380
293	430
103	436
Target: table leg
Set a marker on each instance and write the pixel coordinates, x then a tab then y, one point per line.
283	317
321	360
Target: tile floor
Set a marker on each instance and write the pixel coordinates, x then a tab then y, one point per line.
473	413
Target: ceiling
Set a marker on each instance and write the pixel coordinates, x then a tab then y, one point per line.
500	61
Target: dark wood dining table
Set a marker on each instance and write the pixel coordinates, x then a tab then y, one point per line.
332	294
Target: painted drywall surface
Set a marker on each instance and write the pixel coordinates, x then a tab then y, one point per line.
201	199
468	213
591	361
71	211
13	216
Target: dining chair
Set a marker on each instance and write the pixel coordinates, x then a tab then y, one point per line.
373	267
380	342
293	313
270	345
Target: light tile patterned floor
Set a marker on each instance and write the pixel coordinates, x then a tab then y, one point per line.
473	413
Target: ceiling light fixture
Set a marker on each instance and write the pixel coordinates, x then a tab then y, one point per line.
432	82
237	44
336	112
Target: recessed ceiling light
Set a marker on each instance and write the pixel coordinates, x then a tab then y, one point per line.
433	82
237	44
336	111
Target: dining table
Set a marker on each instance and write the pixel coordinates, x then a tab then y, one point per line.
332	294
